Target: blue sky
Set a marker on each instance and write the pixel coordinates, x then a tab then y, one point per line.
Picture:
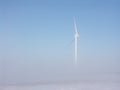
35	37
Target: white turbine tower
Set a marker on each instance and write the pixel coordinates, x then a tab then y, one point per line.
76	41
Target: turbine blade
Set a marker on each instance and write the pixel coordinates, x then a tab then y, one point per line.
75	25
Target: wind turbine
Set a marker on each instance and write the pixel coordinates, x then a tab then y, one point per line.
76	36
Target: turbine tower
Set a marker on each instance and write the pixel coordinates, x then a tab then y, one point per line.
76	36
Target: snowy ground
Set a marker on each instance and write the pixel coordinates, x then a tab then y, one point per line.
75	86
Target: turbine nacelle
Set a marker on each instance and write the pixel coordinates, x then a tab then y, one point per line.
76	35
